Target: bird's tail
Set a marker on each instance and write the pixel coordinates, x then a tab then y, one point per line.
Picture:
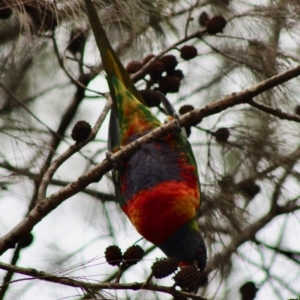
111	63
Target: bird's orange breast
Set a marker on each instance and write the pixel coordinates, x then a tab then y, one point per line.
159	211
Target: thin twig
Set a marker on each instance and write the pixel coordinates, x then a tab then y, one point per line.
275	111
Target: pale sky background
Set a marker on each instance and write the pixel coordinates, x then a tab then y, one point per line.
72	239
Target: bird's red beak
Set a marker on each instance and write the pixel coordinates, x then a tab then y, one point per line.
182	264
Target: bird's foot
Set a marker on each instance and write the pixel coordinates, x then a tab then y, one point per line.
177	128
113	161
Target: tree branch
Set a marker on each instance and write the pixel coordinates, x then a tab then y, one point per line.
275	111
73	282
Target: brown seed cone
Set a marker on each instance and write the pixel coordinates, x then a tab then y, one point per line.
297	110
133	254
177	73
133	67
216	24
151	97
77	40
170	62
113	255
164	267
249	188
169	84
81	131
185	109
248	291
155	70
188	52
203	18
26	240
222	135
147	58
187	277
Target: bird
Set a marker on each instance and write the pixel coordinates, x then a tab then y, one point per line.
158	186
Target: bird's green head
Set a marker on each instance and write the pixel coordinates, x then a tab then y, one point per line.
187	245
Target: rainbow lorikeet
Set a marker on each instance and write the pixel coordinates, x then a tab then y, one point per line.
158	186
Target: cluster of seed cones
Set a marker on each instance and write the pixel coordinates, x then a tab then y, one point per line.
213	25
131	256
163	72
187	278
164	76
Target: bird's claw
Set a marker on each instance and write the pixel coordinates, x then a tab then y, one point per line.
177	128
113	161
